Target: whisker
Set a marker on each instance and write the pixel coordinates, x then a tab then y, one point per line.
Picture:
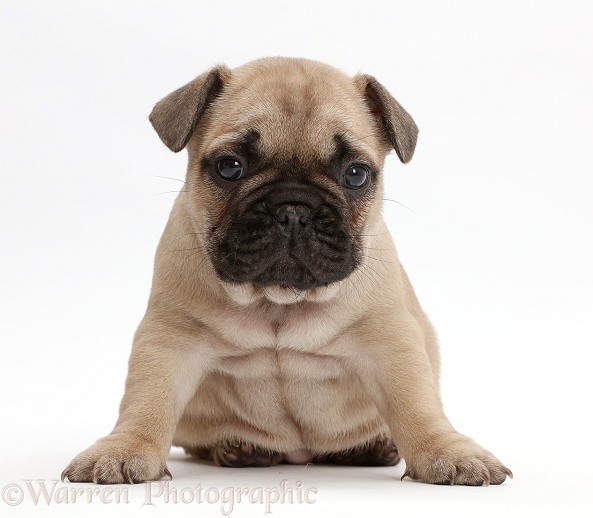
167	192
377	274
360	235
185	249
400	203
200	265
355	287
199	250
372	280
380	249
380	260
167	178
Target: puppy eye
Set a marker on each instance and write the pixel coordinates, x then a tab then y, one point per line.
230	169
356	176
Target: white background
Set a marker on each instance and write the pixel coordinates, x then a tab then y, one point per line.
497	242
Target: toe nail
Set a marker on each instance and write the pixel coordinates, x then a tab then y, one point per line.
127	475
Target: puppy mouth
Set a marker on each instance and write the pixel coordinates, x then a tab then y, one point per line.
290	265
291	238
287	271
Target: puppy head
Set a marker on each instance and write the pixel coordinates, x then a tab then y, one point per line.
284	175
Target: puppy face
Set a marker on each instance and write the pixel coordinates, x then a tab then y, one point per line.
292	229
284	176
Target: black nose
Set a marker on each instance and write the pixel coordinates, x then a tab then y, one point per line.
291	216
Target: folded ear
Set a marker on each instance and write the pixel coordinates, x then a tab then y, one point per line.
175	117
396	123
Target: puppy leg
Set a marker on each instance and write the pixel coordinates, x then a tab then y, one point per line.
396	369
165	369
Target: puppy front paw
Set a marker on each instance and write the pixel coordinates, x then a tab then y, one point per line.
455	459
117	459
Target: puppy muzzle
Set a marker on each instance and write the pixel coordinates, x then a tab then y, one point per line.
289	235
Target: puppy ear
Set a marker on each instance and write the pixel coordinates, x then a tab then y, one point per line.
396	123
175	117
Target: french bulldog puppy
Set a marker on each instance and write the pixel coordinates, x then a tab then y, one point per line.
281	326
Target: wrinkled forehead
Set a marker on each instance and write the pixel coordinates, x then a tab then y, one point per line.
293	112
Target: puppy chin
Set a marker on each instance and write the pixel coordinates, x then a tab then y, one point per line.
246	294
280	295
